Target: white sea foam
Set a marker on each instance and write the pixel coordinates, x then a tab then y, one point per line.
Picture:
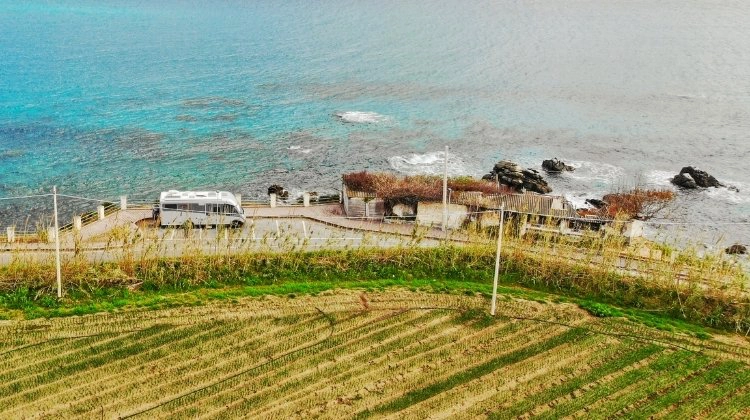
597	174
299	149
578	198
729	195
588	180
430	164
734	192
659	179
360	117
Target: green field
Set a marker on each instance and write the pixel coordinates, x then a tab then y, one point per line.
392	353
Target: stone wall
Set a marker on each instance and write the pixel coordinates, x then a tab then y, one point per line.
432	214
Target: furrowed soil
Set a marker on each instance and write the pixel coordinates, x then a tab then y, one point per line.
359	354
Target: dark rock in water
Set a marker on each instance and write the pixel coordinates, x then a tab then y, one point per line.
280	191
556	165
691	178
596	203
736	249
514	176
684	181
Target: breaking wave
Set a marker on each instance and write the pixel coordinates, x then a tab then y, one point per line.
360	117
430	164
299	149
597	174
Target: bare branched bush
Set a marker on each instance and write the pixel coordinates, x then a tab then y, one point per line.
410	189
637	203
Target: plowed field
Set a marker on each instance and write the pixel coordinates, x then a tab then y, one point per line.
354	354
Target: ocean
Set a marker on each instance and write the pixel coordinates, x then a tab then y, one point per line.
104	98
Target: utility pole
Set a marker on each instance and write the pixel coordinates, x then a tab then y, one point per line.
57	243
497	259
445	191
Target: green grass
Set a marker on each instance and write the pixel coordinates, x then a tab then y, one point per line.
627	358
693	388
708	395
682	360
120	299
194	280
666	379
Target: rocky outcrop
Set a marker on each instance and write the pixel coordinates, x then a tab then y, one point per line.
596	203
280	191
691	178
512	175
684	181
556	165
736	249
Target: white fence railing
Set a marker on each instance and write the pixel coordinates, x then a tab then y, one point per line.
30	217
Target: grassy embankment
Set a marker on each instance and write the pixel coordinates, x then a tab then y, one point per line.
670	289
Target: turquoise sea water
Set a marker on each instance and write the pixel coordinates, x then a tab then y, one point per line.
103	98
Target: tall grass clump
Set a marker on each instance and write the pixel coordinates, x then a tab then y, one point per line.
597	266
710	290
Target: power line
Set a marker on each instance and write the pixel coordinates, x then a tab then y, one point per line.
25	196
81	198
696	223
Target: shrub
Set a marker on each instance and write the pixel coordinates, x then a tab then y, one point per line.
410	189
638	203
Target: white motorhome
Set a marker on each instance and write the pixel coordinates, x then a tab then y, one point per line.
201	208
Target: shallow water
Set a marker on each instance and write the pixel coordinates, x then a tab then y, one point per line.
103	98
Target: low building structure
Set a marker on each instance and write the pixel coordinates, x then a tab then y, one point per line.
528	212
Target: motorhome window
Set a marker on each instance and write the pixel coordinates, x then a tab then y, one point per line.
213	208
197	207
170	207
227	209
183	206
